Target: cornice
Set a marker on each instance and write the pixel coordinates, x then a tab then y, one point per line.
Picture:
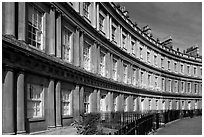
30	60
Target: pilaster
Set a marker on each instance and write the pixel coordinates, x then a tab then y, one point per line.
9	18
51	109
20	103
22	21
58	104
8	103
59	35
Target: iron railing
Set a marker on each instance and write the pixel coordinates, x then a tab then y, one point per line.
134	123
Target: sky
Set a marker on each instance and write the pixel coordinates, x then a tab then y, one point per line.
180	20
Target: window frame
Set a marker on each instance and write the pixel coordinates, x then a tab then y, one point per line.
67	101
115	68
43	27
70	34
125	73
86	9
176	84
35	100
189	88
88	56
102	72
182	68
102	24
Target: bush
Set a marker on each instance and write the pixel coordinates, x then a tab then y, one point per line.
88	124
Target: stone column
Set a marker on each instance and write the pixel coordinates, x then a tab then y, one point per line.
81	45
59	35
20	104
93	101
107	27
98	58
22	21
98	100
8	103
110	28
94	15
97	16
8	21
76	102
51	109
76	55
58	104
50	46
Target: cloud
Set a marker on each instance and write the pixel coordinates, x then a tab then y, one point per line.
181	20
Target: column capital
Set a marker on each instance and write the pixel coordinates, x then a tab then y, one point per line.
52	7
78	28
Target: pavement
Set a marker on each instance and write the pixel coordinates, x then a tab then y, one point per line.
69	130
187	126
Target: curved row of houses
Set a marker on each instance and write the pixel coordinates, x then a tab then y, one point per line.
64	59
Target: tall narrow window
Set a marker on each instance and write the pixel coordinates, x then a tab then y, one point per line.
86	55
155	60
113	33
176	86
141	77
175	67
188	69
66	43
86	9
134	76
150	104
194	70
148	56
189	87
125	73
181	68
162	63
141	57
124	40
149	79
125	104
35	27
163	84
115	104
103	104
66	102
101	22
135	105
201	72
168	64
169	84
182	87
102	63
35	100
86	103
196	88
133	47
114	69
156	81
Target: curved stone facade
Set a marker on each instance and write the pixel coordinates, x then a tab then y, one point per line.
64	59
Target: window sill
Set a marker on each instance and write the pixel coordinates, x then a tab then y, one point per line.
102	32
67	116
37	119
113	41
87	19
32	47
